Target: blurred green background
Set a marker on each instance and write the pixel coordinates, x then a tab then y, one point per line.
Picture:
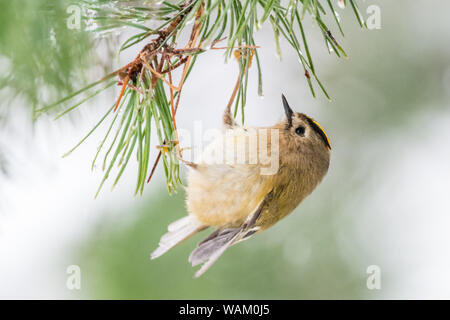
387	123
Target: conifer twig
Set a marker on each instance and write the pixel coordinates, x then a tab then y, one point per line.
143	105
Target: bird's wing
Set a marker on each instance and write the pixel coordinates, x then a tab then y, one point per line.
210	249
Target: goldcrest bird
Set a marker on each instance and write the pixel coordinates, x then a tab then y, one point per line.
244	197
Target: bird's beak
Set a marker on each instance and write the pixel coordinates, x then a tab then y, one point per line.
287	110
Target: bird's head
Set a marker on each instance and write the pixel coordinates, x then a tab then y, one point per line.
303	129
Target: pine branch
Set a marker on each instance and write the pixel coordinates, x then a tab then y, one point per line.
144	100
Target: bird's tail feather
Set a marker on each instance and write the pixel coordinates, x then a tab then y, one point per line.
210	249
179	231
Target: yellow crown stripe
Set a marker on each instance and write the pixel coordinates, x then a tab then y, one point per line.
323	131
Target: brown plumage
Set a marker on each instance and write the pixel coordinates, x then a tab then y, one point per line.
230	191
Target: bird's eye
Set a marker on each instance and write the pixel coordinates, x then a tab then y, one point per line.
300	131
